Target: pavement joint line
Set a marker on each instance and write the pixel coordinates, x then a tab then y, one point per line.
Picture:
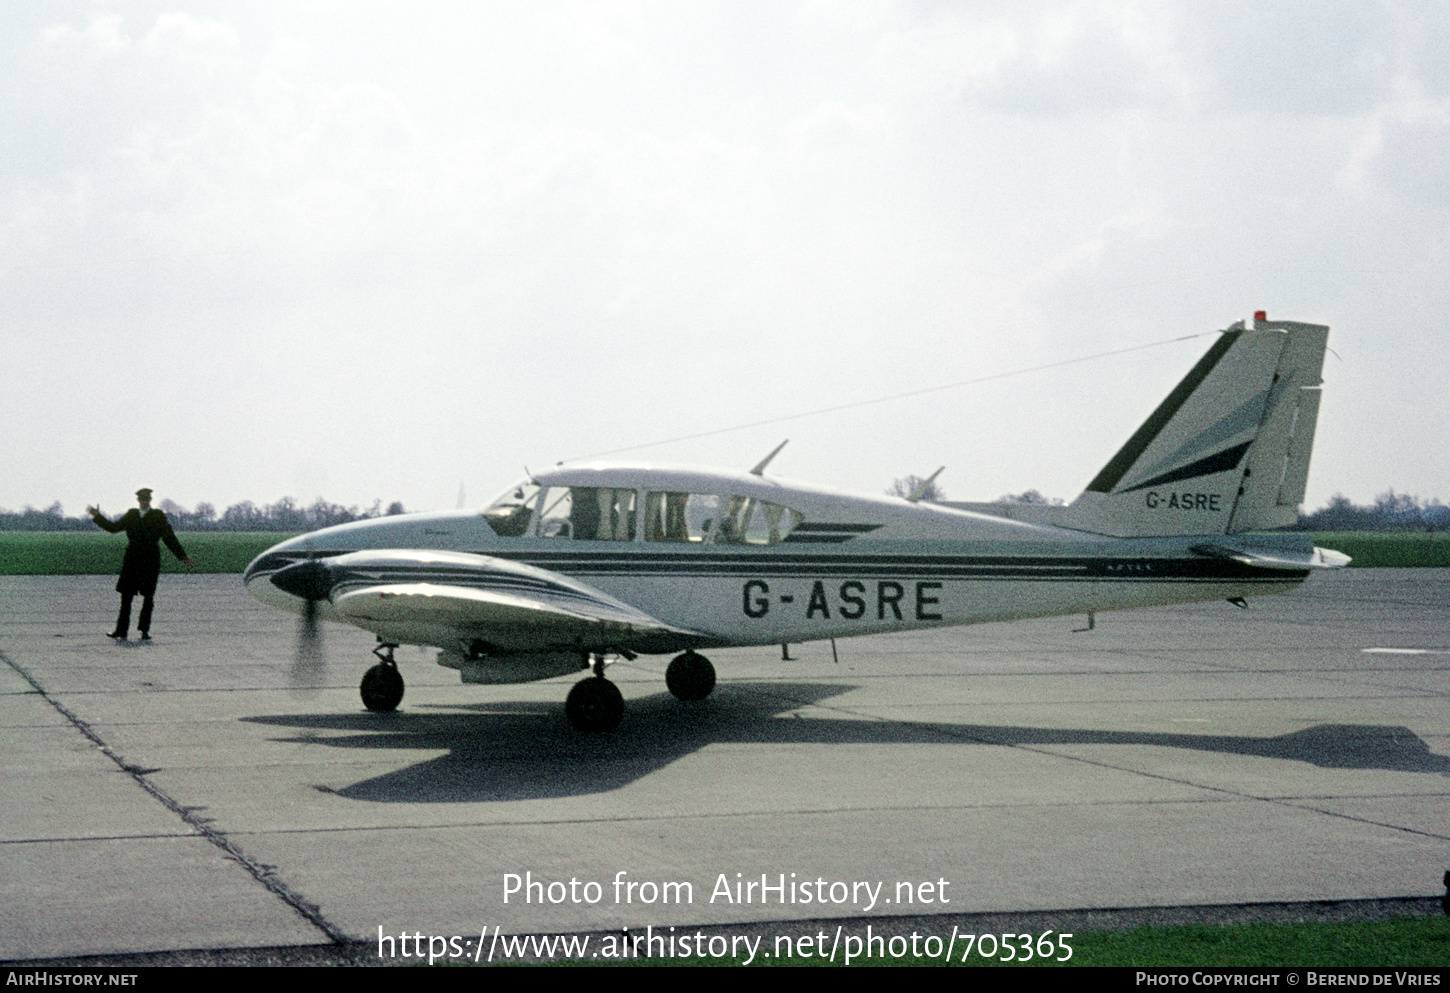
264	874
1293	801
1169	779
1277	801
737	814
82	839
1359	820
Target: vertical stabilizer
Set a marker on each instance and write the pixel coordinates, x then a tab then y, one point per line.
1227	451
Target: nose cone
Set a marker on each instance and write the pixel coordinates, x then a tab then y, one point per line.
310	580
274	558
254	570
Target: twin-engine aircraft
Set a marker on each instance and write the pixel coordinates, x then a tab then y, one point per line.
585	562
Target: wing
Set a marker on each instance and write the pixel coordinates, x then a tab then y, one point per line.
453	599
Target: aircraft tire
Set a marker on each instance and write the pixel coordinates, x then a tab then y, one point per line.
690	676
594	704
382	688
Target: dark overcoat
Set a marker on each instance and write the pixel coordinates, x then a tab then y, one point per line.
142	563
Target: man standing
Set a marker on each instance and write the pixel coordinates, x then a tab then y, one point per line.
142	564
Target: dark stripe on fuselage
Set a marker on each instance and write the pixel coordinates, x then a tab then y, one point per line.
707	565
823	532
964	567
843	528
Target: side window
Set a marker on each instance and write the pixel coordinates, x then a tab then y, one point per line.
555	513
588	513
748	521
680	517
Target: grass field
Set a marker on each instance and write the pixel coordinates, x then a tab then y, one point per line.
1399	549
1419	941
1408	942
1411	942
78	553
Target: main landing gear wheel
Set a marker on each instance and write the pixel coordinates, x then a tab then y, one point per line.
594	704
690	676
382	687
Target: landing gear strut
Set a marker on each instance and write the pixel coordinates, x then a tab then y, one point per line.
382	685
690	676
595	704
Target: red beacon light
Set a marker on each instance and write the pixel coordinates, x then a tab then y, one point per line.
1261	315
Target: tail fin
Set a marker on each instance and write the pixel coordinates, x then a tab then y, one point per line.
1227	451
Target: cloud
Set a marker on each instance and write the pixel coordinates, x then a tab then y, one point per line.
601	33
105	35
606	223
1041	59
1397	148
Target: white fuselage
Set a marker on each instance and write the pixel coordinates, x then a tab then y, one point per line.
816	564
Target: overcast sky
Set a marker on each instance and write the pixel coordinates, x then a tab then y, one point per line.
381	250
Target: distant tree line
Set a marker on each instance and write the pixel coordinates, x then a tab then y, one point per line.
1031	496
906	486
1390	511
284	515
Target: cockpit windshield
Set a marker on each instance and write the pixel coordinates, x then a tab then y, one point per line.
511	514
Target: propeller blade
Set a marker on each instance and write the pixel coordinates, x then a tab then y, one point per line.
310	581
308	669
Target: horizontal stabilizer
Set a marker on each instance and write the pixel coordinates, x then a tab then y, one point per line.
1276	558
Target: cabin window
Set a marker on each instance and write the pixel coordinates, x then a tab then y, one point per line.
602	513
511	514
749	521
588	513
680	517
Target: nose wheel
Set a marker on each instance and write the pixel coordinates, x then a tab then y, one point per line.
382	685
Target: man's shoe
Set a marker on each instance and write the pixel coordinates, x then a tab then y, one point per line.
145	635
118	635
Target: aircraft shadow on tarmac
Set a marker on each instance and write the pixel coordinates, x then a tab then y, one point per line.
526	751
